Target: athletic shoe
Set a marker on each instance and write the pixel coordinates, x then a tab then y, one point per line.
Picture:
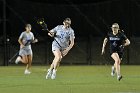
53	74
119	78
27	72
18	60
49	73
112	71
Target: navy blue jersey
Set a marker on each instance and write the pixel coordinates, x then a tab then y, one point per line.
116	40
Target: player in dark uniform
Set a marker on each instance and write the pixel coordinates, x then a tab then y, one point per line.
118	41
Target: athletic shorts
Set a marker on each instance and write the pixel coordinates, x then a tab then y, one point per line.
60	46
25	51
120	52
56	47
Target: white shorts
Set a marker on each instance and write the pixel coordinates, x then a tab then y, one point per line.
25	51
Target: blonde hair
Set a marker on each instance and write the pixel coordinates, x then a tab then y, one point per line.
116	24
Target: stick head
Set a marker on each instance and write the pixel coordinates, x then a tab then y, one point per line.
40	21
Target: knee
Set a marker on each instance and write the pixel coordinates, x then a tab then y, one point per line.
25	61
58	58
117	61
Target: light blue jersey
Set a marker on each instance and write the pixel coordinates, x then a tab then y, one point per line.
26	40
63	37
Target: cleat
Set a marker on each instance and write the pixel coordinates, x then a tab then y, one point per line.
49	74
18	60
53	74
119	78
27	72
112	71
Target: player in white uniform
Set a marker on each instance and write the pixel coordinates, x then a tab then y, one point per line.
25	53
63	42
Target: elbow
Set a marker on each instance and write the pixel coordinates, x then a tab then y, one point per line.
128	42
19	40
49	34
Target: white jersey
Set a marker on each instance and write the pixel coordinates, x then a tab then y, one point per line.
26	39
63	36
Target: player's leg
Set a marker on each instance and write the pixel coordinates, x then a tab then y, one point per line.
116	58
25	61
57	58
113	70
56	61
27	71
52	65
22	57
120	57
53	68
29	58
55	48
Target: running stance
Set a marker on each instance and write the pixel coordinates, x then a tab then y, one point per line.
25	53
118	41
63	42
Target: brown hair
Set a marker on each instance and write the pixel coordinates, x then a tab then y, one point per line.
28	25
67	19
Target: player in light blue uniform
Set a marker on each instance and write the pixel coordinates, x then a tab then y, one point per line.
63	42
62	37
25	53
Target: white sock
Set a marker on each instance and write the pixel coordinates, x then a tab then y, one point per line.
113	67
54	71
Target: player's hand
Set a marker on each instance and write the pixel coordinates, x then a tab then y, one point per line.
22	46
35	40
65	52
51	34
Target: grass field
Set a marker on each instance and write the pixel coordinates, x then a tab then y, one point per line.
70	79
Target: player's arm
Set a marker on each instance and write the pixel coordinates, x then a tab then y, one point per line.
20	42
127	42
34	40
51	33
71	44
104	44
69	47
72	37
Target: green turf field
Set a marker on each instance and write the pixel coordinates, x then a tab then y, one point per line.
70	79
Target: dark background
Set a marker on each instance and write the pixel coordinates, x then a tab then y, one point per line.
91	20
